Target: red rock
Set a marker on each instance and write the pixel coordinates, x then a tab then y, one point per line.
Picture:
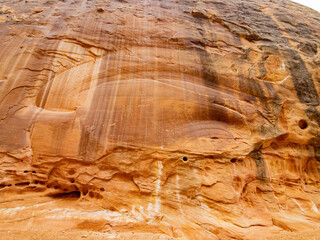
158	119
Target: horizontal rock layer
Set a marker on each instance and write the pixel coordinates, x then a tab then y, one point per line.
158	119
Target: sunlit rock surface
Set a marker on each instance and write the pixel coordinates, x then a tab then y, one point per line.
158	119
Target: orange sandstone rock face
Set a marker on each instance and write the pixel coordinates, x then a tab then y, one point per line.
158	119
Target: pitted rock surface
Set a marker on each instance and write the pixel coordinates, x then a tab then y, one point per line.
159	119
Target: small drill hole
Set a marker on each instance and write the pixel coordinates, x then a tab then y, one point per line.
33	171
102	189
185	159
35	182
233	160
72	180
303	124
25	171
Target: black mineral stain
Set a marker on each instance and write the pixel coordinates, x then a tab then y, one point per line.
216	111
317	154
259	161
262	68
308	48
264	29
208	74
313	114
303	84
262	24
301	78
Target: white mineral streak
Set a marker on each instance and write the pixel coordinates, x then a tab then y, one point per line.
298	204
314	207
177	192
16	209
136	214
97	215
158	188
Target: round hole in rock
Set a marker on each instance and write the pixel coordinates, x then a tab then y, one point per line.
233	160
33	171
274	146
102	189
303	124
98	196
35	182
25	171
91	194
72	180
185	159
84	192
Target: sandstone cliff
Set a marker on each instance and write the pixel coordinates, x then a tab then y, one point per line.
159	119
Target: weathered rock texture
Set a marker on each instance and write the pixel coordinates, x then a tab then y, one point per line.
159	119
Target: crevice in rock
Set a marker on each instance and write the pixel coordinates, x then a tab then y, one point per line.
67	195
22	184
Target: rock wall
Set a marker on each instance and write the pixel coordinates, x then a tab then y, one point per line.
173	119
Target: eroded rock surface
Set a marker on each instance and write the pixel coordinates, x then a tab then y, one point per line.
158	119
